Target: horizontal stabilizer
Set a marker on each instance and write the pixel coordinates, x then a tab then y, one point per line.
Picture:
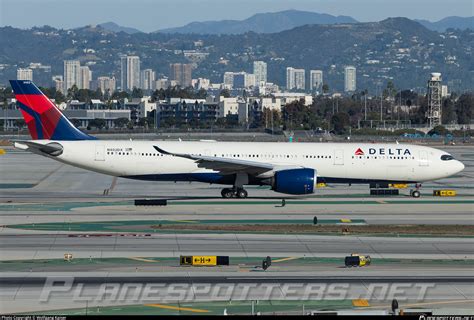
53	148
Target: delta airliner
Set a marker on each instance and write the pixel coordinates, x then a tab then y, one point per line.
289	168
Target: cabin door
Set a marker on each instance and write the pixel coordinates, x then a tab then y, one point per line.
423	159
339	157
99	153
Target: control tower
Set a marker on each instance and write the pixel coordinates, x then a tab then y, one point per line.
434	100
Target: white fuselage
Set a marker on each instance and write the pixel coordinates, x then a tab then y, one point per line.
337	162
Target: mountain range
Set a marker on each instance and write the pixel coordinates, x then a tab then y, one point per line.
112	26
397	49
261	23
272	22
462	23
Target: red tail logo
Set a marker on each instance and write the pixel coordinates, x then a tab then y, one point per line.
359	152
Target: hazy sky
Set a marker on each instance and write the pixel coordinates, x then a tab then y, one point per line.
151	15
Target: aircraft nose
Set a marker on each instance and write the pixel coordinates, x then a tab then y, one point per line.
459	166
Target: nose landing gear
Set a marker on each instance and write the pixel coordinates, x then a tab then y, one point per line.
416	193
234	193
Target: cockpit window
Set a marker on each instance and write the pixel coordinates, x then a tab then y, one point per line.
446	157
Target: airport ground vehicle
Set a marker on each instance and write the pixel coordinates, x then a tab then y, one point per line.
357	260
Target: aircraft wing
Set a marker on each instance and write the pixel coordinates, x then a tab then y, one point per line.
52	148
224	165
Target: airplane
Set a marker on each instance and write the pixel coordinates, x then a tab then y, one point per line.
289	168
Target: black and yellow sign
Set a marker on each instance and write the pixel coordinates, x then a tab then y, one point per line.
204	260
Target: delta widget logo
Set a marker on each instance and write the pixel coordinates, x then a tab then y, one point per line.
359	152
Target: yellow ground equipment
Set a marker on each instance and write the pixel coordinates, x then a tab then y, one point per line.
444	193
204	261
357	260
398	185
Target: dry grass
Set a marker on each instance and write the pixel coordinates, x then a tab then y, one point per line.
442	230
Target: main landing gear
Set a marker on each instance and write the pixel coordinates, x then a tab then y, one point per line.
234	193
237	191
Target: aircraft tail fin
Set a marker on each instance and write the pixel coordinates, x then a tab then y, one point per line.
43	118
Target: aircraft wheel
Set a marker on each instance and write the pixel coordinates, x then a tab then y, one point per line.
227	193
242	193
416	194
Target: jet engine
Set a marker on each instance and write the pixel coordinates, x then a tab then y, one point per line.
295	181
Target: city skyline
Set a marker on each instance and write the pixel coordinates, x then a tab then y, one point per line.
74	14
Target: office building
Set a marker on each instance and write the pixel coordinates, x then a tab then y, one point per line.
41	74
315	80
72	74
147	79
106	84
129	72
181	73
239	80
58	83
228	79
295	79
260	72
24	74
349	79
86	78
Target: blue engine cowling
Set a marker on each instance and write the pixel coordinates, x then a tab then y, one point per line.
295	181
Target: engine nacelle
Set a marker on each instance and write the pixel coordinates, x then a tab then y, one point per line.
295	181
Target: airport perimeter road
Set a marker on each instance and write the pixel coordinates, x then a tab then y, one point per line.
16	246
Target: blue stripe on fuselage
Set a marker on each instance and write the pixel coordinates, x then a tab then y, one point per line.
214	177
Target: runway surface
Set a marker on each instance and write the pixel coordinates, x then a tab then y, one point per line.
240	245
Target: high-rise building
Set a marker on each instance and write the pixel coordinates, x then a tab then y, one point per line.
295	79
300	83
41	74
201	83
147	79
123	73
129	72
434	113
162	83
260	71
58	82
86	78
290	78
350	79
24	74
106	84
315	79
72	73
239	80
229	79
181	73
250	80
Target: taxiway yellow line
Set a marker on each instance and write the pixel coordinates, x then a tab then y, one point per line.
163	306
142	259
286	259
